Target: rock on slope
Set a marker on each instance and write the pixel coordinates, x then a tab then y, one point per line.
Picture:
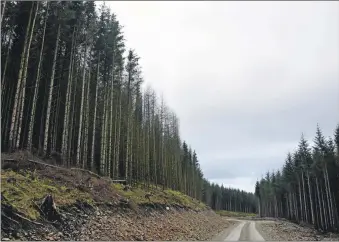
156	225
279	230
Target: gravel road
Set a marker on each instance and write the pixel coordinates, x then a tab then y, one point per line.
243	230
271	230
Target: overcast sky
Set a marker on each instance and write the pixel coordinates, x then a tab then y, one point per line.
244	78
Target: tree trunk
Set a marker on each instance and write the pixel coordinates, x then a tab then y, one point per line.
118	133
320	205
103	134
301	202
80	143
24	77
65	132
296	206
85	154
16	107
305	201
111	136
5	69
95	115
329	197
3	11
50	95
310	196
73	113
37	83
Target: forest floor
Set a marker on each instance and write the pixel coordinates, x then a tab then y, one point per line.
88	207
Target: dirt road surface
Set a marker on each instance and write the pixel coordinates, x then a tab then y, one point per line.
271	230
243	230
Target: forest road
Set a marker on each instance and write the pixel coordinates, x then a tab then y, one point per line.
243	230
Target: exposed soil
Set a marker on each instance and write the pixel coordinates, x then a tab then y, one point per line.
154	225
288	231
83	222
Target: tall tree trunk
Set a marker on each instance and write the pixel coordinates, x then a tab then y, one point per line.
320	204
37	83
127	162
304	193
3	11
65	133
329	197
3	83
56	121
50	95
24	77
310	197
73	113
103	134
95	115
118	133
17	101
111	136
85	155
301	202
296	206
79	146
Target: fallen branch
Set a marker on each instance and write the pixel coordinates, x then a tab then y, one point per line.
45	164
67	213
38	207
14	221
28	220
59	167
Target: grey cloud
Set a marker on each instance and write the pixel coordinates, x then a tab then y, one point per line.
241	167
244	78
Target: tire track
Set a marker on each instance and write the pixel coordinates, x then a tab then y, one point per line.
244	231
235	233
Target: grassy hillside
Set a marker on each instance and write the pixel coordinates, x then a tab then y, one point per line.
25	188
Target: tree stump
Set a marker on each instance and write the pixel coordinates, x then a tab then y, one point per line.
49	209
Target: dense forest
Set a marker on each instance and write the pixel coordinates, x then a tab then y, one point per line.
306	189
70	88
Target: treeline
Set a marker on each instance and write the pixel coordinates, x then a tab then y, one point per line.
222	198
306	189
69	87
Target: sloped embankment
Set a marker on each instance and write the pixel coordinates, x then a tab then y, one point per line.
88	207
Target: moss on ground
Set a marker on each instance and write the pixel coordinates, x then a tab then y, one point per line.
23	190
159	196
234	214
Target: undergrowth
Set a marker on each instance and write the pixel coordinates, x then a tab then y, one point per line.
24	190
159	196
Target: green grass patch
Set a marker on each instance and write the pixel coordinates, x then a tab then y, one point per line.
234	214
159	196
26	188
